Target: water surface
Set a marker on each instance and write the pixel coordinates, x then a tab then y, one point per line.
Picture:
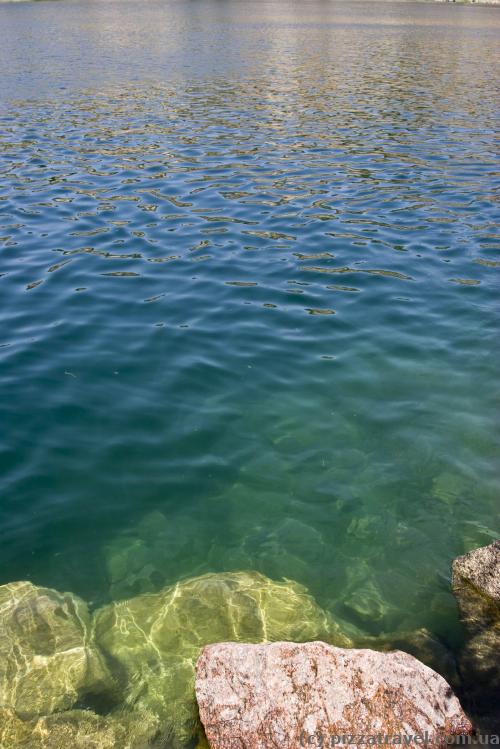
249	297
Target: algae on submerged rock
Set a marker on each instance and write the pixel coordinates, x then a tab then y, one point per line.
155	639
48	660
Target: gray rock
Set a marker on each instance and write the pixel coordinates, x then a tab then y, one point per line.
477	573
476	585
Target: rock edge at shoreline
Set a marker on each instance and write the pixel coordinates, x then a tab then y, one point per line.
124	676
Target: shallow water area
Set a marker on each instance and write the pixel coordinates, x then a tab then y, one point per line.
249	298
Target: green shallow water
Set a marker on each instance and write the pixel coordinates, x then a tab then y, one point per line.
249	299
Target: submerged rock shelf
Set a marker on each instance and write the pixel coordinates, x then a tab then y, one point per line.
123	676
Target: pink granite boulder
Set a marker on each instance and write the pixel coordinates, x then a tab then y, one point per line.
285	695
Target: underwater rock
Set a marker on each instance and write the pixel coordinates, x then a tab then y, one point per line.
367	527
237	509
14	732
365	604
381	592
449	487
288	548
476	585
146	558
155	639
77	729
296	535
289	695
129	569
276	543
48	660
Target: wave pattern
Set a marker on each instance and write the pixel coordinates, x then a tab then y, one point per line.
249	287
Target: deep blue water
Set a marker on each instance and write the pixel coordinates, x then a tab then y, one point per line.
249	280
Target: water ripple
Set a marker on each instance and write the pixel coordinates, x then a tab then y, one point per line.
249	278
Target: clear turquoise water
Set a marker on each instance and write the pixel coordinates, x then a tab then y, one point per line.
249	280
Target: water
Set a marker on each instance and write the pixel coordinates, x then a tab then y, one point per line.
249	280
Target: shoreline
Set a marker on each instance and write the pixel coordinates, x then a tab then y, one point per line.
127	672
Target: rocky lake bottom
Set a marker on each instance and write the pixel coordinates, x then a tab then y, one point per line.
123	676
